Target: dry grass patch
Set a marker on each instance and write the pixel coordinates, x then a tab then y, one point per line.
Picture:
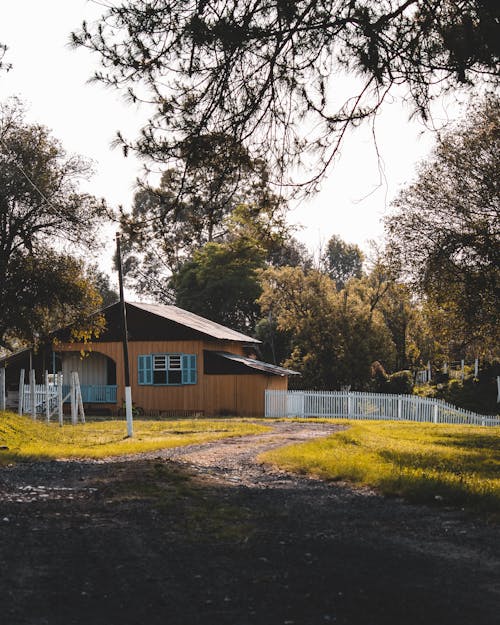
457	465
21	438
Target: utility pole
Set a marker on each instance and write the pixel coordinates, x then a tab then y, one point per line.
126	368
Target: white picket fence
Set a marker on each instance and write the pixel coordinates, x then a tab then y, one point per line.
355	405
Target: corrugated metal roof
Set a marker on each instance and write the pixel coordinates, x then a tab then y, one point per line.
257	364
189	319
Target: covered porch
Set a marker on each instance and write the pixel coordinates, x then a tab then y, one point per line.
97	374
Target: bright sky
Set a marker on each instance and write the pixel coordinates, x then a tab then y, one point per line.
52	79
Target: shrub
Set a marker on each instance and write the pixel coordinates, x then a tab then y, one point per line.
400	383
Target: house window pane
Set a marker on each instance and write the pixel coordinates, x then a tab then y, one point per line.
174	361
159	377
159	362
175	377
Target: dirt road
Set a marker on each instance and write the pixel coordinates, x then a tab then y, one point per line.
205	535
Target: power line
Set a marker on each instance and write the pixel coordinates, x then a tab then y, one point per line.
22	170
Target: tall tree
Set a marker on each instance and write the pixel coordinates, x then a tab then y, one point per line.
445	229
266	72
221	279
221	282
342	261
335	336
191	207
40	206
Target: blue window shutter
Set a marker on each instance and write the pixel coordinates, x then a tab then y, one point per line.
189	368
145	369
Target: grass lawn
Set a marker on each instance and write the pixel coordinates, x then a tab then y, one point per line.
21	438
458	465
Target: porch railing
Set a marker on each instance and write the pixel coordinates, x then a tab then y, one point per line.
96	393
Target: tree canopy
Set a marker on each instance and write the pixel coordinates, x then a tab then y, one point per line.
267	72
334	336
40	207
342	261
444	232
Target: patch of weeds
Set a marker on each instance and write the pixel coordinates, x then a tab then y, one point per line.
453	465
199	512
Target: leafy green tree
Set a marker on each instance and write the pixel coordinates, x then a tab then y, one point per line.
191	207
444	232
220	282
40	207
102	283
266	73
342	261
44	290
335	335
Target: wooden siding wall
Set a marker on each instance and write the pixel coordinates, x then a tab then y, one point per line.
213	394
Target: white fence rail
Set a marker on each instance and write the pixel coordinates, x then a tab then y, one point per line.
355	405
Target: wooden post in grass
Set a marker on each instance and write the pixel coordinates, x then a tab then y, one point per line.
60	398
3	396
21	392
476	368
74	413
33	393
79	399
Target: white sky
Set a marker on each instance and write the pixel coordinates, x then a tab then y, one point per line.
52	79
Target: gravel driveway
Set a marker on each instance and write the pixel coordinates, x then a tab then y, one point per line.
205	535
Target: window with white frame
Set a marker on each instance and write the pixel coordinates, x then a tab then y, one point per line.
167	369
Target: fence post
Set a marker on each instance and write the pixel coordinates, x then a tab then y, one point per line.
462	366
348	404
429	371
435	413
21	392
400	407
33	393
3	396
476	368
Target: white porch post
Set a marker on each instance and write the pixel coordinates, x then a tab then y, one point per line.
21	392
3	397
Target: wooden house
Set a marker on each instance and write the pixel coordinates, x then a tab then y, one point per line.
180	363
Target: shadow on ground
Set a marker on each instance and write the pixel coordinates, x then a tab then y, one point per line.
146	542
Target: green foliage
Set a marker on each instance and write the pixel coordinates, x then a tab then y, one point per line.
194	205
266	72
41	208
400	383
342	261
444	231
478	395
335	336
220	282
442	464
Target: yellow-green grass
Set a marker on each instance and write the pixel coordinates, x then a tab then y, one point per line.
458	465
21	438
